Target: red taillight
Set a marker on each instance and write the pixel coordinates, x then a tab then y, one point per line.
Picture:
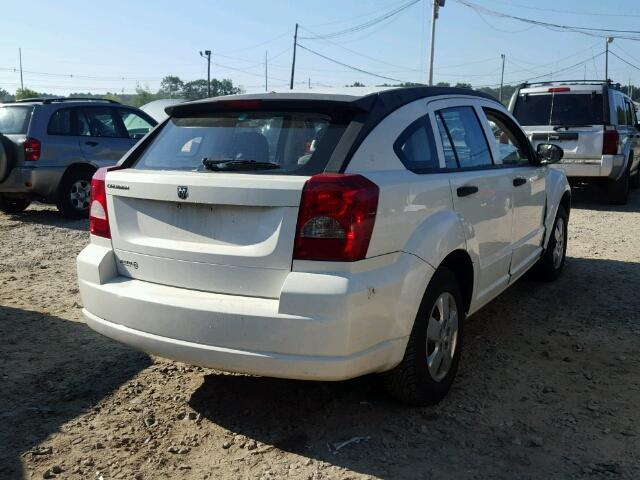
98	215
610	142
31	149
336	218
559	89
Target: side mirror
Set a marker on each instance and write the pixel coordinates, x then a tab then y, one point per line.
549	153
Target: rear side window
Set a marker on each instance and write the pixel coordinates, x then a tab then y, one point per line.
101	122
463	135
61	122
559	109
621	112
15	119
295	142
416	147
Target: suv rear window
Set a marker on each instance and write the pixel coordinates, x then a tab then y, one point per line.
15	119
559	109
298	143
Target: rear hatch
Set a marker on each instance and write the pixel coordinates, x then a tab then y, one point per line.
14	124
212	203
571	118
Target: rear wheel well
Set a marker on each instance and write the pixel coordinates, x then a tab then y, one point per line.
566	202
459	263
78	167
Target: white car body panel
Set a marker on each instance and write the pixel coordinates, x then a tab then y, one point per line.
210	280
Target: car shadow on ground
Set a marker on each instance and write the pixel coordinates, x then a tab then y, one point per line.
50	217
594	197
502	361
52	370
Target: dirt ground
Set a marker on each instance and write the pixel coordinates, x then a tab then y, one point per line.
549	385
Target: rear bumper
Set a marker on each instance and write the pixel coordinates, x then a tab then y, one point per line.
609	166
33	181
324	326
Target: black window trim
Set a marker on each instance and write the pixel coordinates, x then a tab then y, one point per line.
533	158
424	123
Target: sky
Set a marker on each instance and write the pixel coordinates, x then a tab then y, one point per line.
79	46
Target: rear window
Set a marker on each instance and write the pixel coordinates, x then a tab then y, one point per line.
295	143
15	119
559	109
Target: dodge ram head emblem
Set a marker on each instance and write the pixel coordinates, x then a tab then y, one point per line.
183	193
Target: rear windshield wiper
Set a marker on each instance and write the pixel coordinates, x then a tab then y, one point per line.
232	164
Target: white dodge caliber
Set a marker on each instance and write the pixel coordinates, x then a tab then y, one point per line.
321	236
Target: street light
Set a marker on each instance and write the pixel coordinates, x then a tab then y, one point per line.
207	55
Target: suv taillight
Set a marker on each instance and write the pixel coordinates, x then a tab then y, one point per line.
610	142
98	215
336	218
31	149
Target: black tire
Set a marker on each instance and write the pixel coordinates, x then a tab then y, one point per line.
6	157
68	207
13	205
634	181
548	268
412	381
618	190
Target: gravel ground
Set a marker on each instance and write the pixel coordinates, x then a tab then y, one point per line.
549	384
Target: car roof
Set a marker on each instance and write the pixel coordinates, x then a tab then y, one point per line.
360	98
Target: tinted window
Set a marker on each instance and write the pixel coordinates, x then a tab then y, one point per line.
101	122
621	113
631	118
61	122
15	120
464	132
134	124
510	141
559	109
300	143
416	147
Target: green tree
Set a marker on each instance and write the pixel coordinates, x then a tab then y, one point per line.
356	84
171	86
463	85
443	84
197	89
4	95
23	93
143	95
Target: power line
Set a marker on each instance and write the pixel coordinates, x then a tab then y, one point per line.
594	32
569	12
357	69
623	60
365	25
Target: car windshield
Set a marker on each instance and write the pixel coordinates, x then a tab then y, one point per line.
559	109
15	119
295	143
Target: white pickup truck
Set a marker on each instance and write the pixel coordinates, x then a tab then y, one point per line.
321	236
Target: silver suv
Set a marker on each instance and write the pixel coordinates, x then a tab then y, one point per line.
593	122
50	149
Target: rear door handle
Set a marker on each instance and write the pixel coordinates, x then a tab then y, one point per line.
91	143
519	181
466	190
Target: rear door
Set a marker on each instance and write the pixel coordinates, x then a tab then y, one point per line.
571	118
104	138
529	189
482	192
176	222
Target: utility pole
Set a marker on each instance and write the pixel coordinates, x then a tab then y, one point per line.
606	58
309	83
502	55
293	62
207	55
266	71
434	15
21	81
